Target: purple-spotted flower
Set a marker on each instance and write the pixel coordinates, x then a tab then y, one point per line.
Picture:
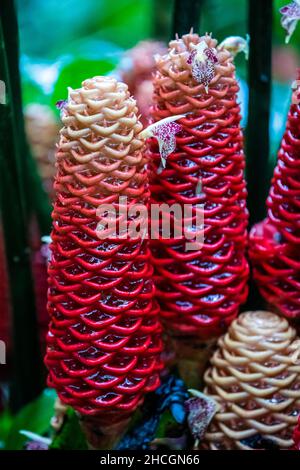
202	60
201	410
290	17
164	131
61	104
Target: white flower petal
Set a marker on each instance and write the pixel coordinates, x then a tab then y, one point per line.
148	132
35	437
290	17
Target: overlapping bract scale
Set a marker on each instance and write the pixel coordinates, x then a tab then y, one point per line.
104	335
255	379
200	291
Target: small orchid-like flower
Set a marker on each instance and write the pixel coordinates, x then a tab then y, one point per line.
61	104
164	131
236	44
203	60
290	17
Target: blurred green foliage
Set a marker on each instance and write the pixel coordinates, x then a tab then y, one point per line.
64	42
6	420
52	28
75	71
71	435
34	417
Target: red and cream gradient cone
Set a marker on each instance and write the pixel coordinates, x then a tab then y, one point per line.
104	340
274	243
200	291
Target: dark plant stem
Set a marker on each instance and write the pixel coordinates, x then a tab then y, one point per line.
259	73
15	211
161	24
186	16
37	199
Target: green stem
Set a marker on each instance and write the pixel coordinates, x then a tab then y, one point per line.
37	199
260	30
27	364
186	16
161	27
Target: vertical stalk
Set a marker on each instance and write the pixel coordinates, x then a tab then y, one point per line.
259	78
37	199
161	24
186	16
27	364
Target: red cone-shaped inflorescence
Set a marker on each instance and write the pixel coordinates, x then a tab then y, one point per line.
104	335
274	243
200	291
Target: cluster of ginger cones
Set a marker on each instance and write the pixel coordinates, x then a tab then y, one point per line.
112	299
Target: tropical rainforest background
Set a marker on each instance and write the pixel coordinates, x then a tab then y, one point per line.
64	42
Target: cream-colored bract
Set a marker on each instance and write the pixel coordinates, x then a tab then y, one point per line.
149	131
236	44
164	131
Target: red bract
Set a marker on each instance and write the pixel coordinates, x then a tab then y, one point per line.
104	335
200	291
296	436
274	243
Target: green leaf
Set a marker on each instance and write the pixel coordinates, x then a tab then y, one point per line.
34	417
33	93
71	436
166	422
5	425
123	22
75	71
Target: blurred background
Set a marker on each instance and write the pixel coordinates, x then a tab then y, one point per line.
61	44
